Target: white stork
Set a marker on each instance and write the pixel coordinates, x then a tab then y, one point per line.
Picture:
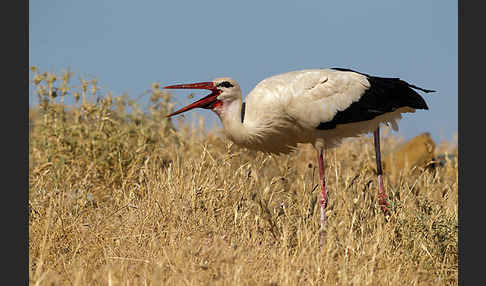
317	106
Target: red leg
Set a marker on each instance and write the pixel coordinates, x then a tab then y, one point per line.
320	159
382	197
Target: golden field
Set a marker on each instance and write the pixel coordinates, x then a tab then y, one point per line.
118	196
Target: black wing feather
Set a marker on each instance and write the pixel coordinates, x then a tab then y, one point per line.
384	95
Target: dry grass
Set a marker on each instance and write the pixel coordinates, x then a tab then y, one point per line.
121	198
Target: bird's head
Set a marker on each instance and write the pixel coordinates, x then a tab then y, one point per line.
223	91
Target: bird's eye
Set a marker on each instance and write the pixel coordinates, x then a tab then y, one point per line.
224	84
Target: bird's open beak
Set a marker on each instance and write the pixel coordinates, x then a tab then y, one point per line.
205	102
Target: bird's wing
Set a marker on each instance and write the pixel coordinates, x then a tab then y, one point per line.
319	96
300	102
311	97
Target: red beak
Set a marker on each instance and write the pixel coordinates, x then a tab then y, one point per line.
206	102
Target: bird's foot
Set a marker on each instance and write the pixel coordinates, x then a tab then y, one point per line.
385	206
382	197
322	241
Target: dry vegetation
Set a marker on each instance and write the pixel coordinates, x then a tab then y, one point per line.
119	197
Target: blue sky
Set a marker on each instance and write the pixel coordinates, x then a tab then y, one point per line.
128	45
